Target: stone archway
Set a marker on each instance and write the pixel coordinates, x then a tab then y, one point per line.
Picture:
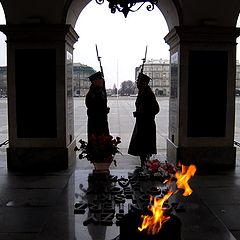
196	31
82	10
168	9
50	36
186	142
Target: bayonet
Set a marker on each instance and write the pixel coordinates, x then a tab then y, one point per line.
99	60
144	60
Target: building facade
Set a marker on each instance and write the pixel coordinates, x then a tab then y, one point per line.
158	70
238	77
3	82
81	82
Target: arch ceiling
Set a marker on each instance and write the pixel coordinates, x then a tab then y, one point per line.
176	12
180	13
167	8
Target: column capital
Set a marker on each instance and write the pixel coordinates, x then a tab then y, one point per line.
202	34
39	32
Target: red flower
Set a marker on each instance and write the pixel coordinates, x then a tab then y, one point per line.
153	165
99	148
156	165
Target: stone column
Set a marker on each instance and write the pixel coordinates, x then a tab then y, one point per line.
40	98
202	96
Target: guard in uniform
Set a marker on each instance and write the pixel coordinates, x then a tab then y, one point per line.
143	141
96	103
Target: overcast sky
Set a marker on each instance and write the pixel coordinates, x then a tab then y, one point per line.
121	41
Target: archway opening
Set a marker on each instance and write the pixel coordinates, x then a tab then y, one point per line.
3	88
121	45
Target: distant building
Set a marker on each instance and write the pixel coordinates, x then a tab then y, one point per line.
81	82
159	72
238	78
3	82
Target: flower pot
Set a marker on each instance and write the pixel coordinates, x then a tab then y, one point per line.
101	167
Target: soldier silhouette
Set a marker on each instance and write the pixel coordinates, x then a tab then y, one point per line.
143	140
96	103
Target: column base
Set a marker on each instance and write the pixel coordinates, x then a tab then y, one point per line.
205	158
40	159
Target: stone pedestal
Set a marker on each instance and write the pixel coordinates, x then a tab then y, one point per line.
40	98
202	96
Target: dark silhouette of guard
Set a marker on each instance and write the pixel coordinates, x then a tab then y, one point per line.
97	109
143	141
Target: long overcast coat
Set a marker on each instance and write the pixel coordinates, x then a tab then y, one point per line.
143	141
97	110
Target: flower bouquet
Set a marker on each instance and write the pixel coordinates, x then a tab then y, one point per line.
99	149
160	169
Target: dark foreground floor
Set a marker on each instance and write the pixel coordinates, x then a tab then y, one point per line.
34	207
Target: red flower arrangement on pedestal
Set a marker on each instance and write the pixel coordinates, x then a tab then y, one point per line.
99	148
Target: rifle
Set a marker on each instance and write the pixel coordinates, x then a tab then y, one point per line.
99	60
144	59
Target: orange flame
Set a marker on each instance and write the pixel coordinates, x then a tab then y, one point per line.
154	223
183	178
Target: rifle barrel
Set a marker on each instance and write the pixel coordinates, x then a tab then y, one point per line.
144	59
